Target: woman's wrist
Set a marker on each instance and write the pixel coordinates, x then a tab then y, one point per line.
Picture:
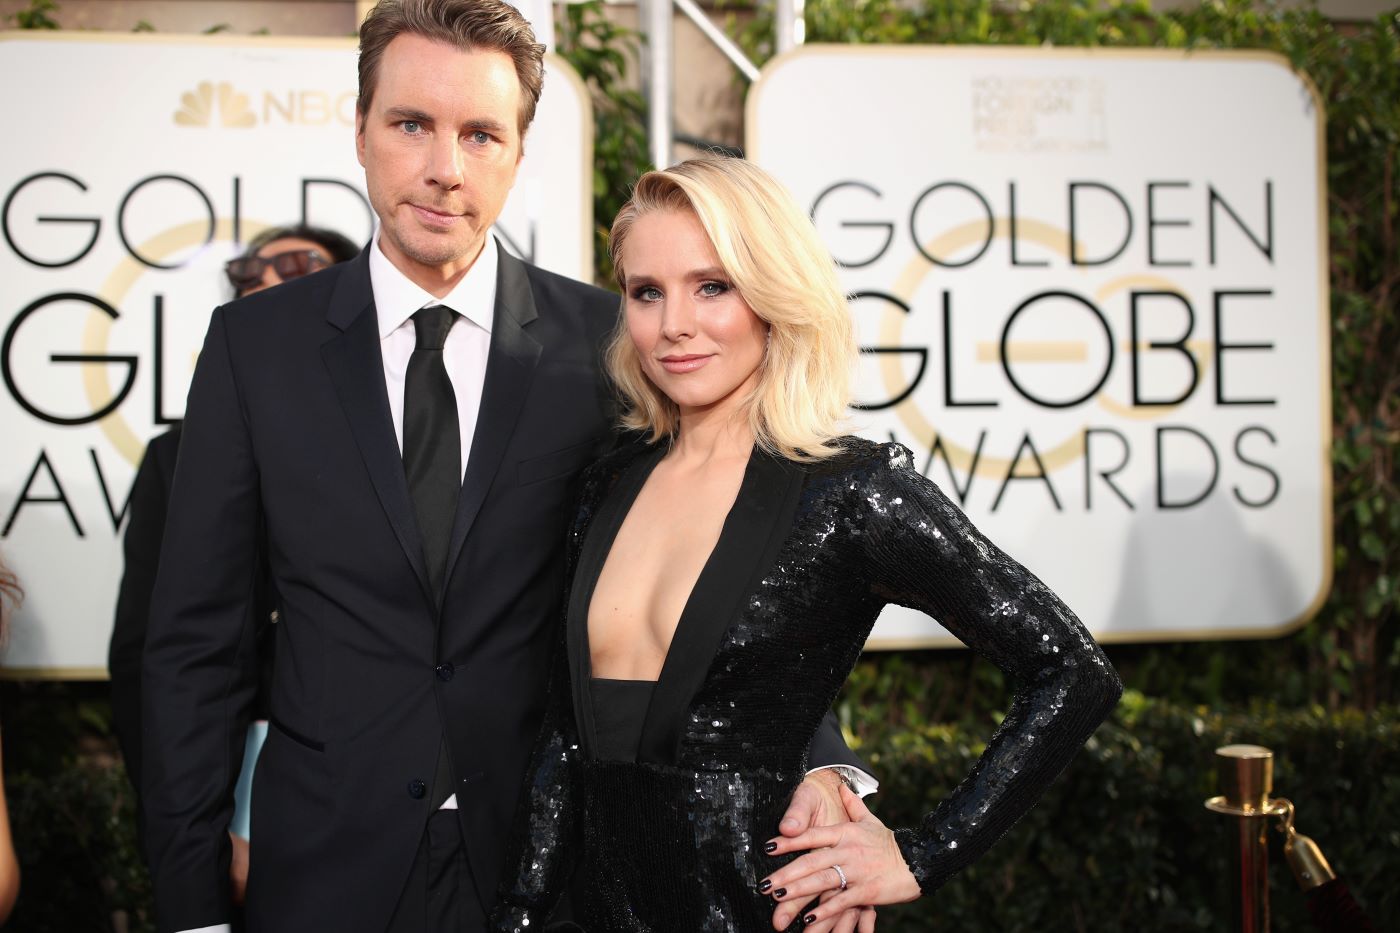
918	860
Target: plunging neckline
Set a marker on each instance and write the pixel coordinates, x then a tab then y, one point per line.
753	528
632	494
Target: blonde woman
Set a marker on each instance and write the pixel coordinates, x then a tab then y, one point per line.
10	596
725	571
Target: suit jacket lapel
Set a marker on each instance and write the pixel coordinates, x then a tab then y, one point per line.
749	542
357	371
593	554
510	367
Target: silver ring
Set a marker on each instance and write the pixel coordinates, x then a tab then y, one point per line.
840	874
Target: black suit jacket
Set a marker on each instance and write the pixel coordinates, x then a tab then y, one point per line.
288	422
149	502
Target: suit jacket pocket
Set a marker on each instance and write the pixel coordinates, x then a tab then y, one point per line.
555	464
305	742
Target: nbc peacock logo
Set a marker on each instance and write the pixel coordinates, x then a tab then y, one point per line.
197	107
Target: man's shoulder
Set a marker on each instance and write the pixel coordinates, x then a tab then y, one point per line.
164	448
602	475
556	287
285	317
308	295
161	453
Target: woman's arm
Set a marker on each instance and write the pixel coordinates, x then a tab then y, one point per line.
922	552
925	554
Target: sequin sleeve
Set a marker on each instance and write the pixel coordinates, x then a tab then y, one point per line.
545	839
923	553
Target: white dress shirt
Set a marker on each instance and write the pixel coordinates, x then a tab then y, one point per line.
396	299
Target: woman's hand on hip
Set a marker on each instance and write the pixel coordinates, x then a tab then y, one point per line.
860	860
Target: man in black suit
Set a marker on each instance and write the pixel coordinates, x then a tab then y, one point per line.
407	428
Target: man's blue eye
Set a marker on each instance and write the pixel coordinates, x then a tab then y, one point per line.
411	126
480	138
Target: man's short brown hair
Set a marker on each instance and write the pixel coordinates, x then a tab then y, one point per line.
490	25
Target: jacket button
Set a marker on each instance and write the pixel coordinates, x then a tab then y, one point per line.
417	789
445	671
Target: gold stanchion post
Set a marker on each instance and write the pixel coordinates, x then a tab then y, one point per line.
1246	777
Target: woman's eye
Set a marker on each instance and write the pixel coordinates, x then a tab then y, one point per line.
647	293
711	289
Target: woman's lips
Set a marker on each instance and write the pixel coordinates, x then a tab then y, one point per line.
685	364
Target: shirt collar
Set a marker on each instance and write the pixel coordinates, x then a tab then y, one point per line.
396	297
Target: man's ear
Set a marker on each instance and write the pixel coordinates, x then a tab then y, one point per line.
360	135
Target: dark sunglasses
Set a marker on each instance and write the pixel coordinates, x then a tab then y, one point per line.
247	271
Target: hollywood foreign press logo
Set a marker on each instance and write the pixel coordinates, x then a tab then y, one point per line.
198	107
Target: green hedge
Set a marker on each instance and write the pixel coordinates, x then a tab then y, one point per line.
80	868
1120	841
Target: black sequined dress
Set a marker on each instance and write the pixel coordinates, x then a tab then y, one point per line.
808	556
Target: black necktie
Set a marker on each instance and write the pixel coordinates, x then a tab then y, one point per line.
432	447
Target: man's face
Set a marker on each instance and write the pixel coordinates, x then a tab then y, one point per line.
440	145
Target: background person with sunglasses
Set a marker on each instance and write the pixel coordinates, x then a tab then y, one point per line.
277	255
281	254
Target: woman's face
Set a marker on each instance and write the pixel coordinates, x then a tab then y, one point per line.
696	338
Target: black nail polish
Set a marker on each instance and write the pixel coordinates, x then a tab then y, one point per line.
770	847
810	918
764	885
781	892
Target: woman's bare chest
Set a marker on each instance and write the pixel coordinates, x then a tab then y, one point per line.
661	549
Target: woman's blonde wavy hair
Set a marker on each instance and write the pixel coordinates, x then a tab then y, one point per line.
780	267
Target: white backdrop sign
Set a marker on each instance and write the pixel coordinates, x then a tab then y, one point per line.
134	167
1091	292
